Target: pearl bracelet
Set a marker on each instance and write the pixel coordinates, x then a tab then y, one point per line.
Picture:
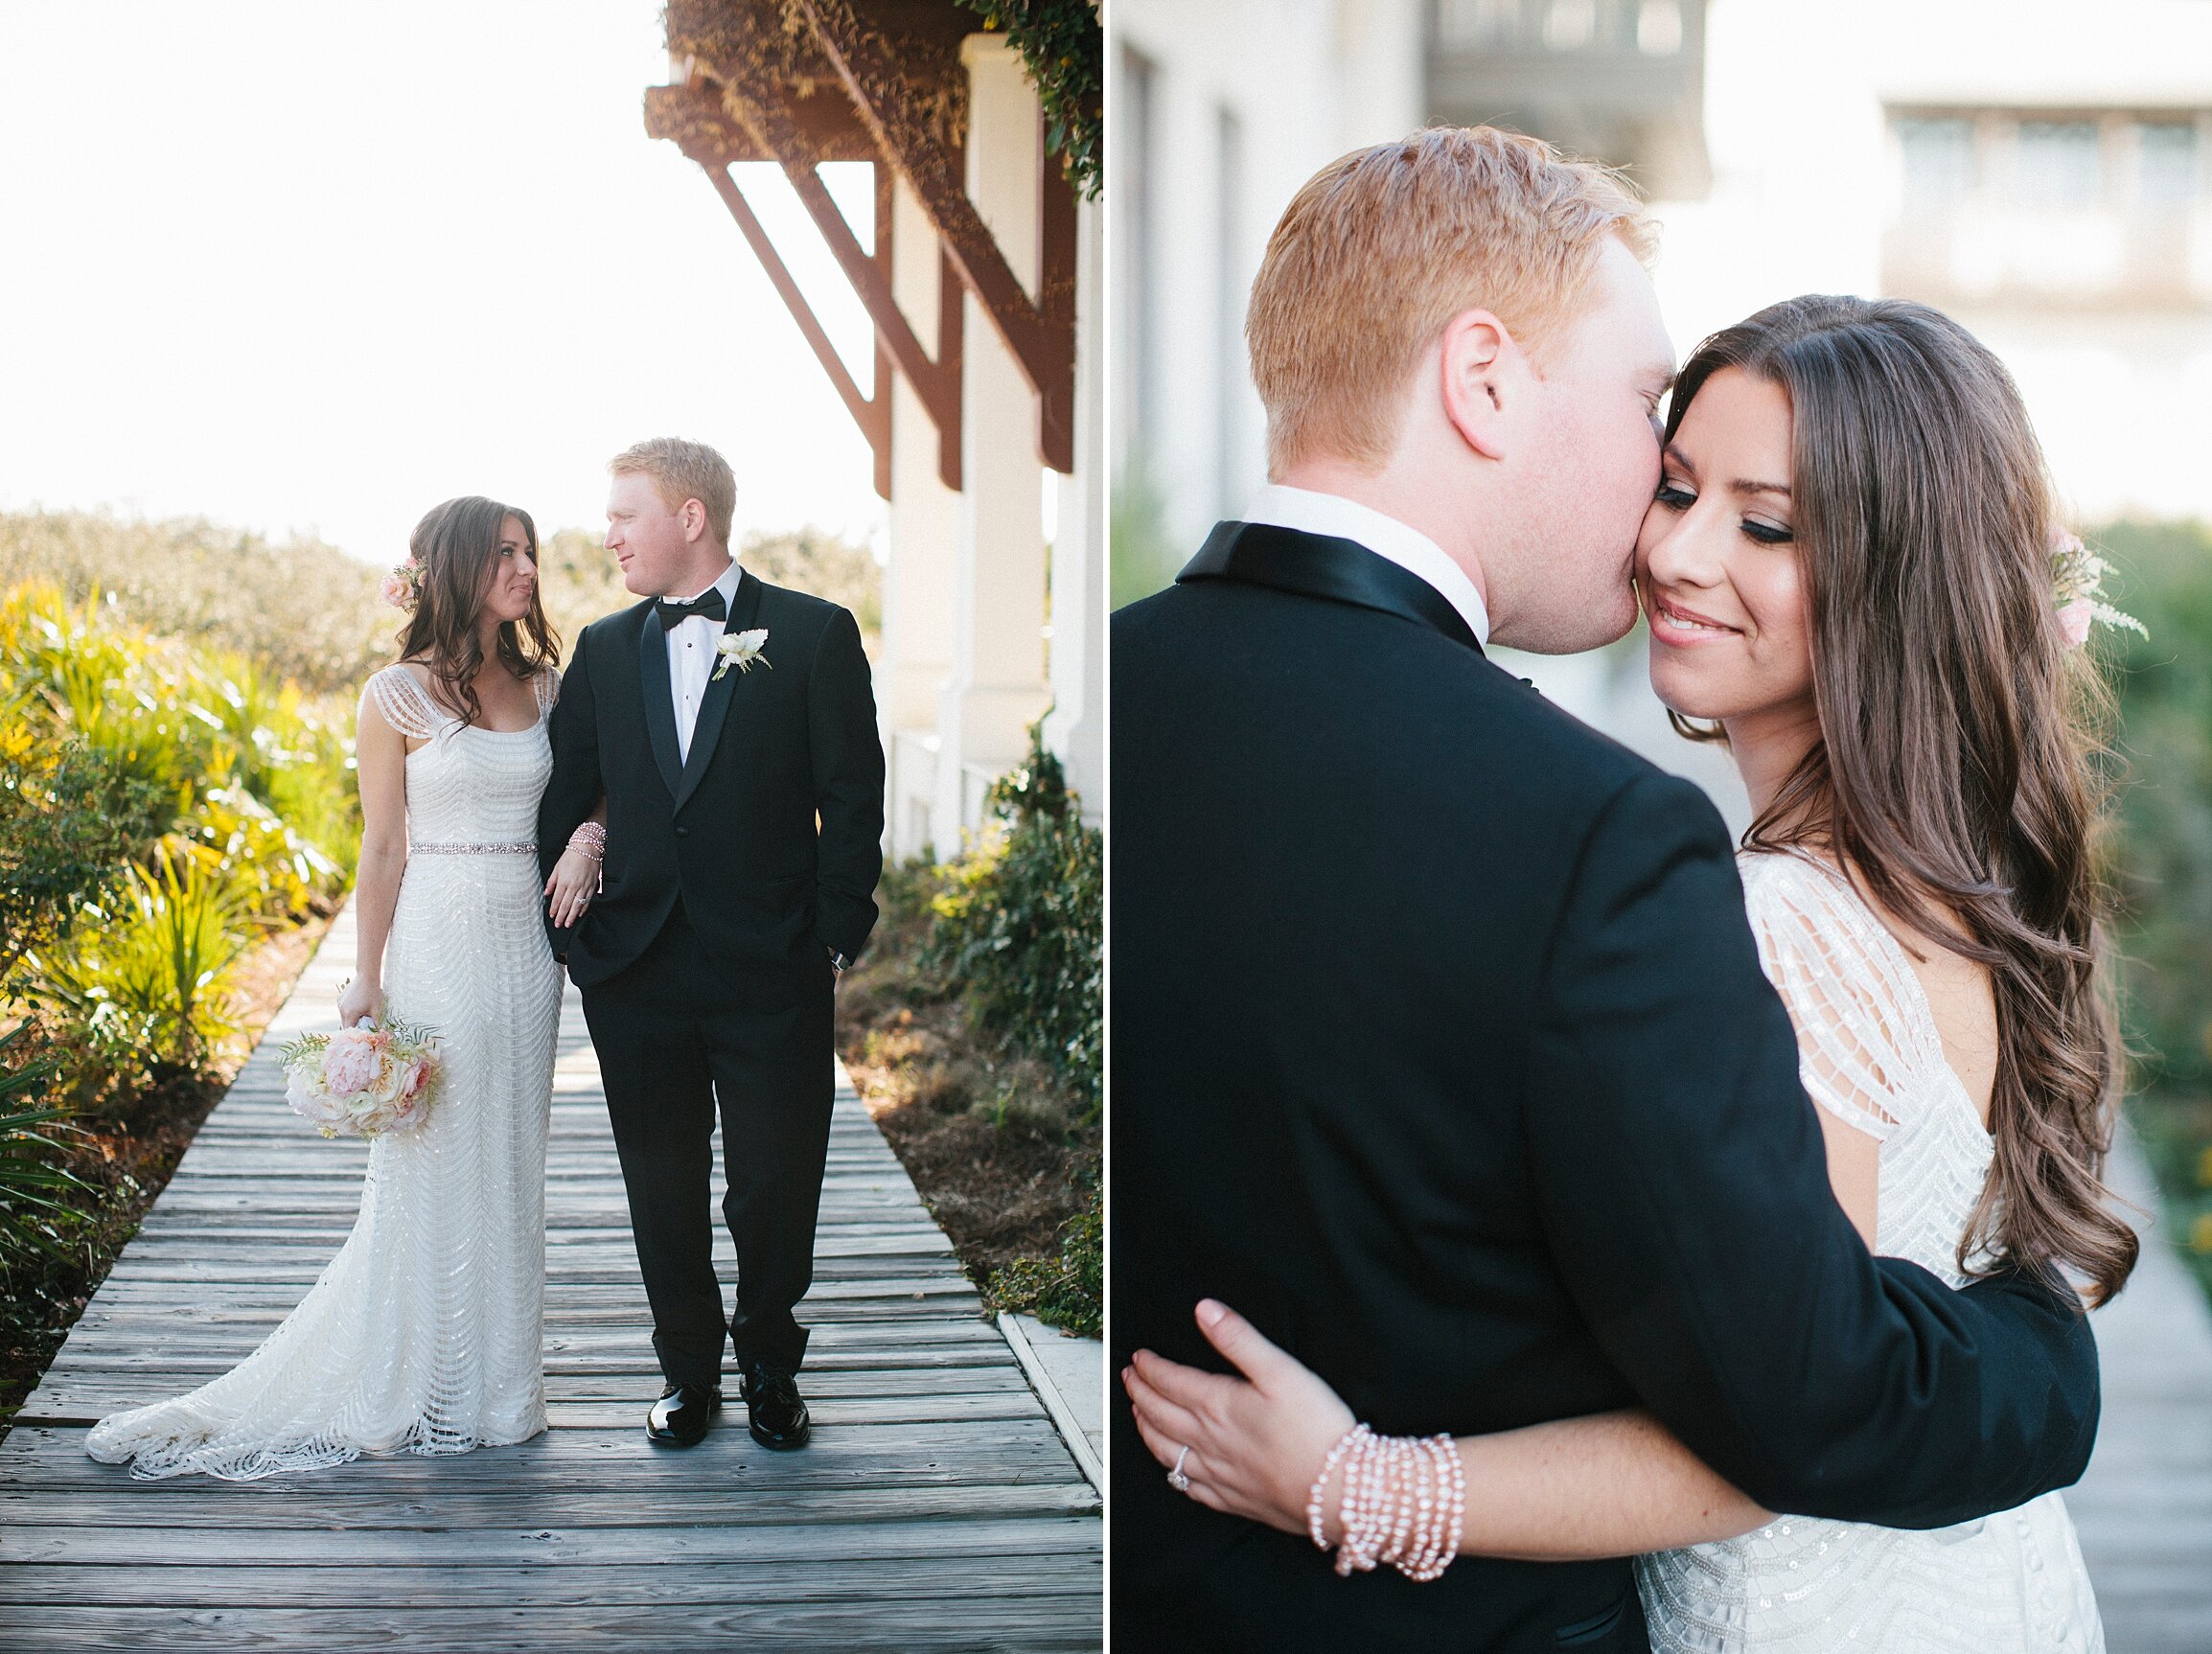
1404	1502
589	839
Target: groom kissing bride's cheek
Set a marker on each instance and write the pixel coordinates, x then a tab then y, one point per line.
1536	1225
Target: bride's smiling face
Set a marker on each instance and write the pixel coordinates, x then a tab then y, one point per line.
513	585
1717	566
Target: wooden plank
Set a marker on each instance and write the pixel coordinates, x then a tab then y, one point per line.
981	1621
646	1547
563	1581
936	1507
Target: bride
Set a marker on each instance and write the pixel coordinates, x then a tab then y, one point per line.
1849	568
422	1334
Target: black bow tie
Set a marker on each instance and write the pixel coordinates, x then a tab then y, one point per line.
706	606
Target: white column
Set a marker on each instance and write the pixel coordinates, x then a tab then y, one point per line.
919	575
1076	729
997	687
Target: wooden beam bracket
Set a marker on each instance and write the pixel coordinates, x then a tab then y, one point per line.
765	112
872	413
1041	336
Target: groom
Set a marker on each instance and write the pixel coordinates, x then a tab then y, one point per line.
1440	1046
731	727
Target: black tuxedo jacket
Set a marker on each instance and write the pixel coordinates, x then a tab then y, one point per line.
1440	1048
733	834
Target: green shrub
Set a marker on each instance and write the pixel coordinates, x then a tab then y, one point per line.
2165	856
71	819
1018	925
1142	557
159	804
1067	1291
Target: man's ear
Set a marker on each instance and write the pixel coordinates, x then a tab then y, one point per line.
1484	376
694	518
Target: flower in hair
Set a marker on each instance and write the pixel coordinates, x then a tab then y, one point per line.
2077	581
402	586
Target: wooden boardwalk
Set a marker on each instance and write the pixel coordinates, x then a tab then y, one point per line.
2145	1507
936	1507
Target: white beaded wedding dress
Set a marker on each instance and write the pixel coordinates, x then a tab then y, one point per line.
1871	1054
424	1333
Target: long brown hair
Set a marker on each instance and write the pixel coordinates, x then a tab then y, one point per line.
456	546
1957	771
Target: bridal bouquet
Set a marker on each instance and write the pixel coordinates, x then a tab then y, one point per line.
363	1081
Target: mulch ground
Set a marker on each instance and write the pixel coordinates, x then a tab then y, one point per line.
995	1145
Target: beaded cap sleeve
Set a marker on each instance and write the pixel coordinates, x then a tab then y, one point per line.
1865	1044
547	683
405	705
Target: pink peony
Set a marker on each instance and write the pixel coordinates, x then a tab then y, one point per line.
395	590
352	1064
2074	621
416	1081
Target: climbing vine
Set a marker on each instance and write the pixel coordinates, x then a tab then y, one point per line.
1064	50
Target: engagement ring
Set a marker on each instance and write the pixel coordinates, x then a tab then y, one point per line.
1175	1478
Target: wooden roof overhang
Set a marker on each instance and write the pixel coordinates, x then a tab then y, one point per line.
803	81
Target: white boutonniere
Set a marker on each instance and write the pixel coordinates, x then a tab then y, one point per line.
743	650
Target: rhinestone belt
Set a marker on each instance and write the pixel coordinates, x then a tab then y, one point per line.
524	849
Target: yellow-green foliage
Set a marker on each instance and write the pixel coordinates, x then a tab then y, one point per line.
160	802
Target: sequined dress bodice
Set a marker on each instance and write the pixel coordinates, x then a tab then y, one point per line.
1871	1054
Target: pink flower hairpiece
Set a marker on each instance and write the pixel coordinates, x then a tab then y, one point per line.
402	586
2077	582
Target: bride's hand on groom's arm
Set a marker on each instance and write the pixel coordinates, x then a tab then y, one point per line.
1604	1484
568	891
575	878
1254	1442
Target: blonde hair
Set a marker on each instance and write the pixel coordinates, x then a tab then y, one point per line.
682	470
1385	245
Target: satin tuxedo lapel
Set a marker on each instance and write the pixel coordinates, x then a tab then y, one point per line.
714	708
659	698
1324	565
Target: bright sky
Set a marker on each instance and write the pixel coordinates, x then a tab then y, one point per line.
317	267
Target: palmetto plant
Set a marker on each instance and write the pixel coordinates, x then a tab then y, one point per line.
151	979
33	1214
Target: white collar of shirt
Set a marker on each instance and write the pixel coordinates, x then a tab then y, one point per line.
1333	514
726	586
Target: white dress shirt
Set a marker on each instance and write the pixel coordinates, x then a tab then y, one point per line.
691	657
1331	514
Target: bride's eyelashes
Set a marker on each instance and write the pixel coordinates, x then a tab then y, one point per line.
1676	497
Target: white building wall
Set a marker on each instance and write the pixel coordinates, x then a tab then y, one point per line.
1247	99
969	661
1806	179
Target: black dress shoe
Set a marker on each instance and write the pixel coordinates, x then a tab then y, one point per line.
680	1416
774	1412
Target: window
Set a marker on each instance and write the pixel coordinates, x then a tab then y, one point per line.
2034	206
2166	162
1939	160
1493	23
1569	24
2058	164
